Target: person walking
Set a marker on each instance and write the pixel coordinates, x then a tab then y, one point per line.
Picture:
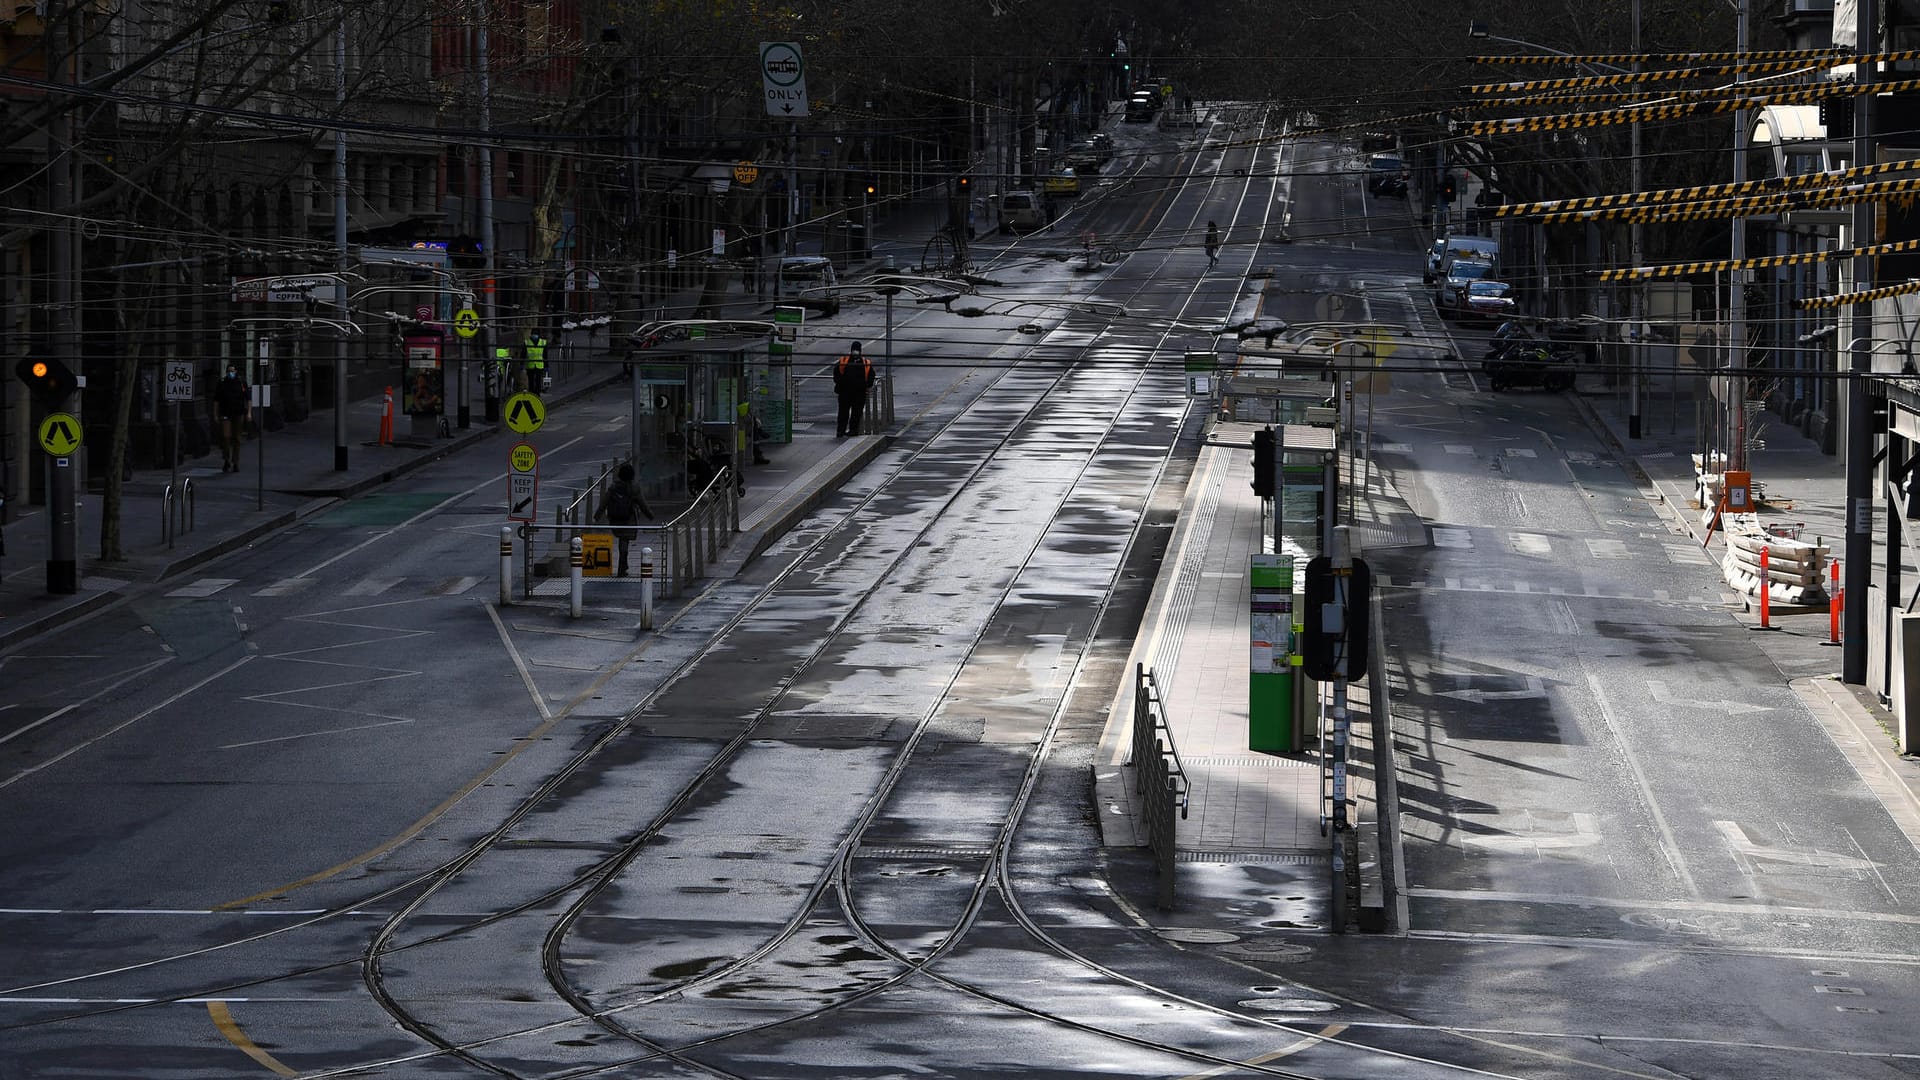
535	348
1213	245
624	506
852	378
232	400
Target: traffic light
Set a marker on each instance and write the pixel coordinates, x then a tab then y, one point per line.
49	381
966	184
1446	187
1335	621
1263	463
873	186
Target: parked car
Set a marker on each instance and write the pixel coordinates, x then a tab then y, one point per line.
1535	364
1488	301
806	278
1062	182
1143	106
1024	211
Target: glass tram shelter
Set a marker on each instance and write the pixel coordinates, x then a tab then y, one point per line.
687	402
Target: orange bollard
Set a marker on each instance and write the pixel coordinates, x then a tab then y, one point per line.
1764	591
386	420
1836	604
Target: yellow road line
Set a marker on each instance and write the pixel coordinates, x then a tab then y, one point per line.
230	1028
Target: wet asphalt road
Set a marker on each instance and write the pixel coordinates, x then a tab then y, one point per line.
328	811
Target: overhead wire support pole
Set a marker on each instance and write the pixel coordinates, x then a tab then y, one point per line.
340	242
490	336
1636	256
1859	441
1736	389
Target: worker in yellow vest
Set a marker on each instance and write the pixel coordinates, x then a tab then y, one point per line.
535	348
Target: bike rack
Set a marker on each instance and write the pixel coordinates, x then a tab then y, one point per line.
169	528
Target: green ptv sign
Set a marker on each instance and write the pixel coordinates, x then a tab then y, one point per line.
786	330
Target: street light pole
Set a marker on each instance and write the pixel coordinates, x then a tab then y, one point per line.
1737	298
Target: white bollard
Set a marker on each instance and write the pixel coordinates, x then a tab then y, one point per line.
646	588
576	575
506	564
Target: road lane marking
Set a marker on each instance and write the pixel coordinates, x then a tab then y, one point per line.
428	512
203	587
129	722
1669	843
230	1029
72	705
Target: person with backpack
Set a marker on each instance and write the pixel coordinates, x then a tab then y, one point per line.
232	401
852	378
624	506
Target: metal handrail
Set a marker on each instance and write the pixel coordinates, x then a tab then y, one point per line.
1159	775
683	547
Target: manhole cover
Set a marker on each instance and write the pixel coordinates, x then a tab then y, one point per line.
1271	952
1289	1005
1196	936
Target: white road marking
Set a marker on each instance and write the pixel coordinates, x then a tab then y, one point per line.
1521	451
1529	544
284	587
205	586
1608	549
1458	448
1669	843
456	586
1452	538
372	586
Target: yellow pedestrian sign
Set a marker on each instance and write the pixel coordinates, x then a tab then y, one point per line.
524	458
60	434
466	322
525	414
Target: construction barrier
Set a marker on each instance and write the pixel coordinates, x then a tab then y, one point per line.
1794	571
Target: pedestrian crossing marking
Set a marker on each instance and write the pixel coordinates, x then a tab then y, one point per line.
372	586
205	586
454	586
1452	538
1530	544
1688	555
1458	448
1609	549
284	587
1395	448
1521	451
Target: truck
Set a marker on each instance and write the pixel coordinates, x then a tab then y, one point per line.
1443	252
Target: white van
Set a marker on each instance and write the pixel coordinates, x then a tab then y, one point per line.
1023	211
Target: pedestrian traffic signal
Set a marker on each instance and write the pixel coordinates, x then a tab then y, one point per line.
49	381
1263	463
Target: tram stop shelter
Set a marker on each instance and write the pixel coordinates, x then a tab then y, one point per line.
705	398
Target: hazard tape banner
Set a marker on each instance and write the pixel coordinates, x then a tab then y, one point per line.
1643	273
1747	207
1864	296
1838	56
1613	117
1704	192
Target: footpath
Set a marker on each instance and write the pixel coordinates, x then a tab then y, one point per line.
288	475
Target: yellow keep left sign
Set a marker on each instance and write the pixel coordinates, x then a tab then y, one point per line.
60	434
